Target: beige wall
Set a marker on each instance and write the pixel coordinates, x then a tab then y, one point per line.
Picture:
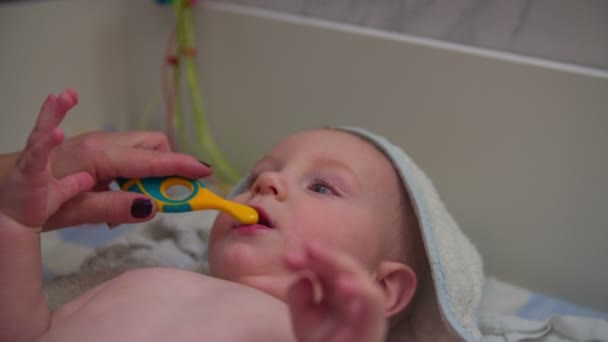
47	46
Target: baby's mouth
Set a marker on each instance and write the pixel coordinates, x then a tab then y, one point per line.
264	220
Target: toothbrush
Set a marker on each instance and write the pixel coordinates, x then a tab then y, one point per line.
196	197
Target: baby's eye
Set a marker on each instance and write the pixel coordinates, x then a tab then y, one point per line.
320	188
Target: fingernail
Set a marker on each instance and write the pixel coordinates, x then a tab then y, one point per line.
206	164
112	225
141	208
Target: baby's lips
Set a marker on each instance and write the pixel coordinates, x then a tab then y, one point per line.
263	217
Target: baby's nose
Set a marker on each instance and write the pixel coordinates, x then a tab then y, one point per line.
270	183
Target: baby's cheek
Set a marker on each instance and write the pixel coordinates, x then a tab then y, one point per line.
220	227
317	225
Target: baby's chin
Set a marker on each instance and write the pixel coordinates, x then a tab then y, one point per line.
233	260
245	265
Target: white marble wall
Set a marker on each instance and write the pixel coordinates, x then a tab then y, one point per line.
571	31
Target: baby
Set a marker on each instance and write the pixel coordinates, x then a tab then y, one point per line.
335	256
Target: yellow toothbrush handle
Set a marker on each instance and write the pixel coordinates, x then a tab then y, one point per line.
208	200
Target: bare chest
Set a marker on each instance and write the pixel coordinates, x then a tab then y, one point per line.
171	305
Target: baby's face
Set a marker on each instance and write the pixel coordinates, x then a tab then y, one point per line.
321	185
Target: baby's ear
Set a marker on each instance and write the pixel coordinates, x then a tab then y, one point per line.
398	282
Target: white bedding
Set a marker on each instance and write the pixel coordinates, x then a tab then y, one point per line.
65	250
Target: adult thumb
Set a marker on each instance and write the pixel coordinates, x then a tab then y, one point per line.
101	207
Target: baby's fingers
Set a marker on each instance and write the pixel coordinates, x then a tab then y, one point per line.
300	296
324	262
72	185
332	271
36	155
46	133
359	299
54	109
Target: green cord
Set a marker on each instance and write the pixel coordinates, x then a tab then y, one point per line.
177	100
150	107
184	42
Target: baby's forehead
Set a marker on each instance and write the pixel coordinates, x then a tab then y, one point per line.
326	140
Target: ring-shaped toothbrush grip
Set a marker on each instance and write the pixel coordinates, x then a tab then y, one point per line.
157	189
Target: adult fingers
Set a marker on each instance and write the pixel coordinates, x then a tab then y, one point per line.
134	154
101	207
152	140
136	163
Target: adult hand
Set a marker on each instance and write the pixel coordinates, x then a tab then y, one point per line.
106	156
348	305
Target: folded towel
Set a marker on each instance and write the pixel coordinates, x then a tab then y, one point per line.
455	264
504	328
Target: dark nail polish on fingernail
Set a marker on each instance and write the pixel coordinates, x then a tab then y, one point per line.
141	208
206	164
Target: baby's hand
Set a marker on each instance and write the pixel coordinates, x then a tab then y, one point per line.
350	306
30	194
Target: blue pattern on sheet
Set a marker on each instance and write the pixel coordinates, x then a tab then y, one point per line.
46	273
77	243
92	235
541	307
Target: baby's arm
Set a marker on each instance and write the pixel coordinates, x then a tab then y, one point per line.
29	195
349	307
